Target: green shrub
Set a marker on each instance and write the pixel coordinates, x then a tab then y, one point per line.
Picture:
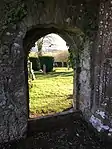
35	63
48	61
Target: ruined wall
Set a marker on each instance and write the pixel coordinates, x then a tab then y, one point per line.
13	112
34	18
99	113
84	80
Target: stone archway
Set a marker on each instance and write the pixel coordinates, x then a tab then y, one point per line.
19	18
34	34
17	88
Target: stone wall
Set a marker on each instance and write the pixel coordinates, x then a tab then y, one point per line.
21	24
84	80
100	111
13	110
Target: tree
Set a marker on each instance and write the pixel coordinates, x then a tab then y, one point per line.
46	40
39	45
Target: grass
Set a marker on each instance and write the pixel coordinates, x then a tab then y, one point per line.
51	93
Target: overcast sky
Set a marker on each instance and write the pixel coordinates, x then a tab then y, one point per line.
53	42
56	43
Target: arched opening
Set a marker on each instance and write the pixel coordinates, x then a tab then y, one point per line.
50	74
61	85
31	21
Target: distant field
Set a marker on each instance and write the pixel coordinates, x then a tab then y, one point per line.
51	93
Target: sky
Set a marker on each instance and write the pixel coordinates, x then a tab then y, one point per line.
56	43
53	42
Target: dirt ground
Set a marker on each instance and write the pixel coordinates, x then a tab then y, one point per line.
74	136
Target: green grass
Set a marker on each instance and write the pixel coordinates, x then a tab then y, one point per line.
51	93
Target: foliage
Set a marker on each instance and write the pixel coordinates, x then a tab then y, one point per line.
48	39
48	61
39	45
35	63
16	14
51	93
71	58
38	63
74	54
33	54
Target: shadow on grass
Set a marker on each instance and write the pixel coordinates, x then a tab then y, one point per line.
54	74
52	108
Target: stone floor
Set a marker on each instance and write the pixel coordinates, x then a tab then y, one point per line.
76	135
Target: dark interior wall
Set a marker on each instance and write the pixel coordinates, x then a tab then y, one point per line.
96	93
102	99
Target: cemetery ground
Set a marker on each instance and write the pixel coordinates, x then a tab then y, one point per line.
51	93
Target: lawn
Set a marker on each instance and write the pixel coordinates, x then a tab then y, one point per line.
51	93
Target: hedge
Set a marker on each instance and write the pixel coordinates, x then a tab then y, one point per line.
48	61
35	63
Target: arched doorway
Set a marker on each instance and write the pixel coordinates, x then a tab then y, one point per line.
50	90
31	21
32	36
